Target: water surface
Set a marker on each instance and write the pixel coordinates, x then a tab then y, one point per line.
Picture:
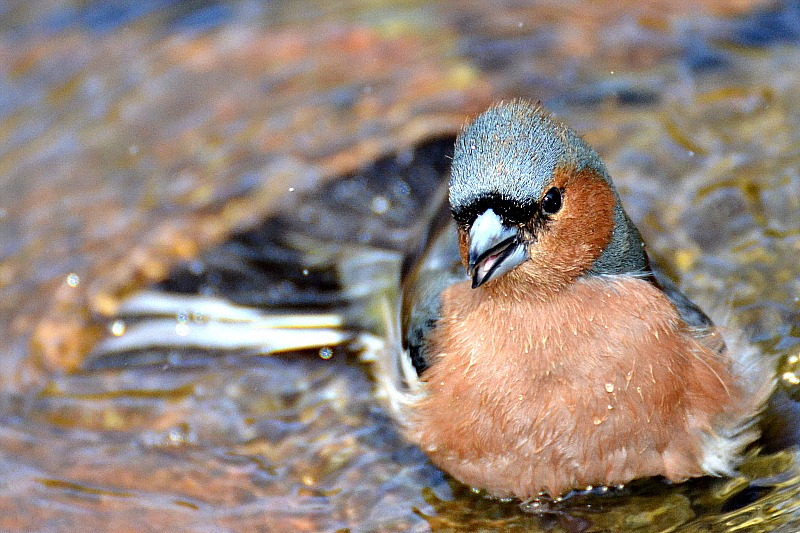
135	136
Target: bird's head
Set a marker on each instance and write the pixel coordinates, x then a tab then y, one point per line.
529	194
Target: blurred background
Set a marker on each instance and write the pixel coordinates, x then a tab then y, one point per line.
155	142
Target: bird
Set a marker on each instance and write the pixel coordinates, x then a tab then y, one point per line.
522	338
536	351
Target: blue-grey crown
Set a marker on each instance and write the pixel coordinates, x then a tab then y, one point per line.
508	155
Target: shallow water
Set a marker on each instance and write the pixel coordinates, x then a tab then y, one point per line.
136	136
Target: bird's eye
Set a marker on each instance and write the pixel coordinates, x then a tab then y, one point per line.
551	203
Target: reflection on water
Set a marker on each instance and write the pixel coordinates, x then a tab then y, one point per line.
134	135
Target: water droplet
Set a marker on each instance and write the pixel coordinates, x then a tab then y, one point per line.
175	437
791	378
305	272
291	189
609	387
182	329
380	204
325	353
118	328
597	421
73	280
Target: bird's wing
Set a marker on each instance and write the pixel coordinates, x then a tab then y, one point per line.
689	311
426	275
313	276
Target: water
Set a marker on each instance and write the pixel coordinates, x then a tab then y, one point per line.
137	135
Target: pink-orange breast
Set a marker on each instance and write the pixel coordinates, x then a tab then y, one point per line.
597	383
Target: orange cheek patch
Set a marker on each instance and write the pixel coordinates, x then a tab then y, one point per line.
576	236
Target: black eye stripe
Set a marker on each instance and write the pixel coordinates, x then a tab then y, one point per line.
510	211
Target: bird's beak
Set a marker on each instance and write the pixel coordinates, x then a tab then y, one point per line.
494	249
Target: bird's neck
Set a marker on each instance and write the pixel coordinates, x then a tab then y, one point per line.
529	281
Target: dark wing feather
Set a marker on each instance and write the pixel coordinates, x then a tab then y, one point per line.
427	271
